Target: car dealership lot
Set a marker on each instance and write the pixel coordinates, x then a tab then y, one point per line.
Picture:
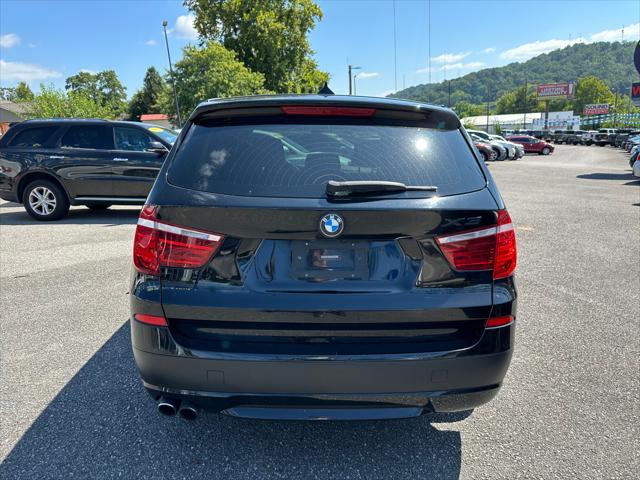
72	403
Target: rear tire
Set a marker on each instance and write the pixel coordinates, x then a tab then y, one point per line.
45	200
98	206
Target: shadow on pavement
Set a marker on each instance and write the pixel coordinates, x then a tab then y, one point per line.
607	176
76	216
102	424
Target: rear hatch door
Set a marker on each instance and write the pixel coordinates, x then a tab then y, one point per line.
302	271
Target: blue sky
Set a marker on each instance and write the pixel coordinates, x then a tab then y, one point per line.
49	40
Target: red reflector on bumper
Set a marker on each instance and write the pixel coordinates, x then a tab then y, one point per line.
151	319
499	321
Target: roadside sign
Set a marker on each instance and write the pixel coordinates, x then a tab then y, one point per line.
635	93
549	91
596	109
636	56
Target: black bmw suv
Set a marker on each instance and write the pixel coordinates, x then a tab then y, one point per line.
48	165
323	257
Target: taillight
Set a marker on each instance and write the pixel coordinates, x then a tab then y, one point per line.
506	253
494	322
155	320
490	248
326	110
160	244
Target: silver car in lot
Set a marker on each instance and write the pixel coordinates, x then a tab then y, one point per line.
515	150
499	149
511	151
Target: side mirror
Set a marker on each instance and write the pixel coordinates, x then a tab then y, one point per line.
156	147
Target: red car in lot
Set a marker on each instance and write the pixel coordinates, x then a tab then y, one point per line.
532	144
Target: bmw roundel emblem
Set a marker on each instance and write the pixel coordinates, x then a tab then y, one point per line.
331	225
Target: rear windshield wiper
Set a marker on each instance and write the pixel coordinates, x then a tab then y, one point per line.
345	189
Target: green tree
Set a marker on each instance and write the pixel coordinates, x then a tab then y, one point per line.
23	93
7	93
103	87
147	99
112	93
517	101
52	103
268	36
591	89
466	109
19	93
209	72
83	82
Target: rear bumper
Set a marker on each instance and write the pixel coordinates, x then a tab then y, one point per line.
338	387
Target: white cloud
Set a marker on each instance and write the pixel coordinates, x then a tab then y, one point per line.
529	50
86	70
151	43
453	66
365	75
185	28
450	57
631	32
25	72
33	45
489	50
9	40
472	65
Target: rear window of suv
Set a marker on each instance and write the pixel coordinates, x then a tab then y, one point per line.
297	160
35	137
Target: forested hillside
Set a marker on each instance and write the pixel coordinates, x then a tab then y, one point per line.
610	61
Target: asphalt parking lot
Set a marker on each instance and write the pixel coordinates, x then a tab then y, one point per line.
73	407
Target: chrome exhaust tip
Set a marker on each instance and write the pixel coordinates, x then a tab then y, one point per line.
188	411
168	406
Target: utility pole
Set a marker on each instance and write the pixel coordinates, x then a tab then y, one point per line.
526	88
449	94
546	115
351	69
173	79
355	90
615	110
487	116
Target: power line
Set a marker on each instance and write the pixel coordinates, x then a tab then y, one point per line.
429	51
395	50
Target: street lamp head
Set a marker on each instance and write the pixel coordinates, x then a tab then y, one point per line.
164	23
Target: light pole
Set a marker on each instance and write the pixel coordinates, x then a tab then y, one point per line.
173	80
524	118
355	90
351	68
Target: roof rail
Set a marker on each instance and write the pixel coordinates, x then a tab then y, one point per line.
67	120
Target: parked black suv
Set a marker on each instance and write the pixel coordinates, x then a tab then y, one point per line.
48	165
323	257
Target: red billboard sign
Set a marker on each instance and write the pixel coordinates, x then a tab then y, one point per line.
635	93
548	91
596	109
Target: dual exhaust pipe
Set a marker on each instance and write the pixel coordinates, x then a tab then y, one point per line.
172	406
